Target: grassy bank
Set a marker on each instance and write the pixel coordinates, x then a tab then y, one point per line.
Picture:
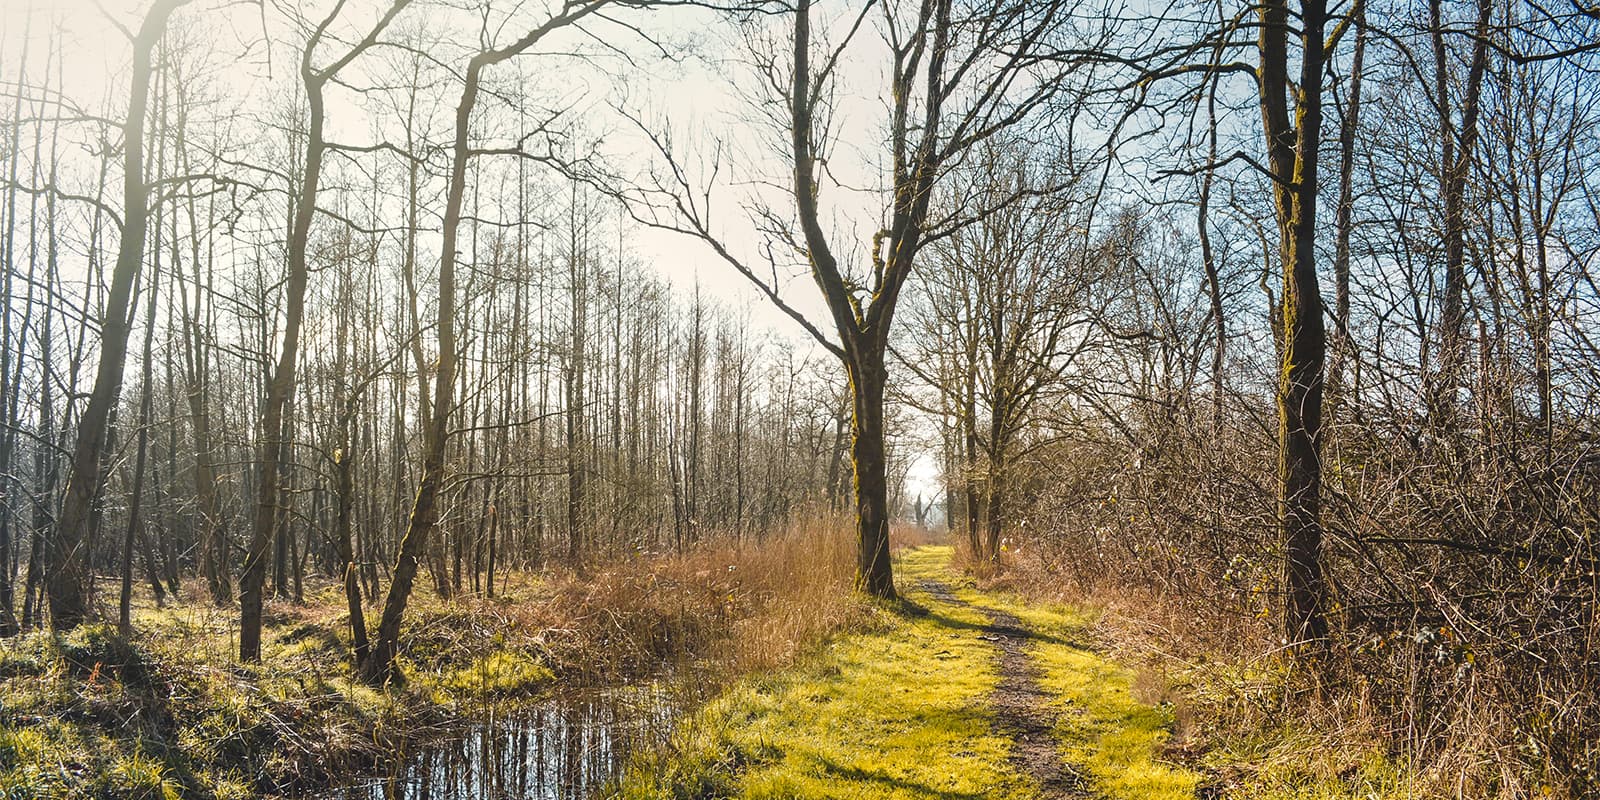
169	712
903	711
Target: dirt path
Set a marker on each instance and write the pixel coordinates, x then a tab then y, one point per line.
1021	705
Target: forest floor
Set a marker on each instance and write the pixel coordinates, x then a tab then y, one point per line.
968	694
966	688
170	712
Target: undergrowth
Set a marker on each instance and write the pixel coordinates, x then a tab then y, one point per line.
1242	716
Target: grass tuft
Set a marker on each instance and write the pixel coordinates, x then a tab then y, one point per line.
500	674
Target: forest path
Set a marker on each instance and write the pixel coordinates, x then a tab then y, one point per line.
966	695
1021	706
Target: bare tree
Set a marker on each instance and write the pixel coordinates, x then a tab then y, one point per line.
958	75
1013	295
1457	146
1291	113
281	385
425	512
68	570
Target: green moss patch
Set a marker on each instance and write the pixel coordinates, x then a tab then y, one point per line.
503	673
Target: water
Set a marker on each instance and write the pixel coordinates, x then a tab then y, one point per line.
566	748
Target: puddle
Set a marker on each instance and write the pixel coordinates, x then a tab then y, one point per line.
566	748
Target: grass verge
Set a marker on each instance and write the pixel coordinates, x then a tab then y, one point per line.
1241	717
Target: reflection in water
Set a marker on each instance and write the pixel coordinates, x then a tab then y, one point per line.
566	748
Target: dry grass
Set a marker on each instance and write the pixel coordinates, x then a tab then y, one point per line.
904	536
1241	714
733	606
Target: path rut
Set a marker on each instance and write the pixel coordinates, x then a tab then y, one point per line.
1021	706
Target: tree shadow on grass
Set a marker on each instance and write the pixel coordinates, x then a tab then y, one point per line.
946	621
887	782
914	768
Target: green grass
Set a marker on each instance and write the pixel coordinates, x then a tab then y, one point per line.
903	712
500	674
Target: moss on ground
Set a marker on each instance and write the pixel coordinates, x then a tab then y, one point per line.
1241	739
170	713
903	712
1107	734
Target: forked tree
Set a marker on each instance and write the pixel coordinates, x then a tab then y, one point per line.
1291	114
425	509
281	387
958	74
1291	58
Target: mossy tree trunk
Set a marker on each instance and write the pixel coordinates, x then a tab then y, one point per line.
869	457
1292	145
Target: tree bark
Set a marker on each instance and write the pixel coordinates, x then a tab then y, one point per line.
270	452
995	523
868	377
349	575
577	275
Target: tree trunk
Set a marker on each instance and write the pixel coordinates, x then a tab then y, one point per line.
10	390
280	388
346	554
996	503
152	569
1343	225
577	274
971	502
67	570
868	377
1293	152
1456	152
252	579
136	493
379	665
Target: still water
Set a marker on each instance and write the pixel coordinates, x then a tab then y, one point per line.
566	748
